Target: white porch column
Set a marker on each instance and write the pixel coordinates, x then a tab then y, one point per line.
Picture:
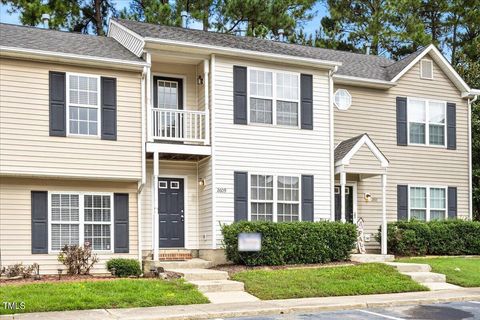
384	214
343	183
155	226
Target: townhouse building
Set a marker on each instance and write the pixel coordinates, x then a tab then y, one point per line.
145	142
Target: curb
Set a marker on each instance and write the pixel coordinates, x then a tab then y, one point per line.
260	308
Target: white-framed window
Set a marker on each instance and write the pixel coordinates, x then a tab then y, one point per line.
426	69
83	104
274	198
274	97
81	219
426	122
342	99
427	203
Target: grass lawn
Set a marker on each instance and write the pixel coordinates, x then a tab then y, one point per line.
122	293
464	272
323	282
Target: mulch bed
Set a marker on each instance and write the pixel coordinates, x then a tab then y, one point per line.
75	278
235	268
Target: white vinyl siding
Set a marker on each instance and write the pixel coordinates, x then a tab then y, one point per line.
427	203
426	122
83	219
83	104
274	97
262	149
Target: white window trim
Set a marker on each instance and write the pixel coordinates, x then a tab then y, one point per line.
81	219
98	106
427	208
273	98
275	193
339	108
421	69
427	123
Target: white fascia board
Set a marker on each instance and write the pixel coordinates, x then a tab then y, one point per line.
471	94
88	177
243	53
179	148
364	140
363	82
444	65
70	58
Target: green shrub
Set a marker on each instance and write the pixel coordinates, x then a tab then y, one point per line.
416	238
124	267
292	242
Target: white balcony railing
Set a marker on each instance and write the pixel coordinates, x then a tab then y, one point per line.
180	125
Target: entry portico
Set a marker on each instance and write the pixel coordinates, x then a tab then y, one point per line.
358	159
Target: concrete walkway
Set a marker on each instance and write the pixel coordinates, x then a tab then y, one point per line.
268	307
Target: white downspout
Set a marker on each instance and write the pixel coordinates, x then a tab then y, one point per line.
332	145
470	183
212	143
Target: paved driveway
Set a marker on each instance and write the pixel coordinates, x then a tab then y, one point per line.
443	311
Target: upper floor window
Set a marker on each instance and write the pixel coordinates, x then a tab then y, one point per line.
83	107
426	122
428	203
274	97
426	69
274	198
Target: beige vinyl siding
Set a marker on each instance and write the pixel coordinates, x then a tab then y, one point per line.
374	111
27	148
172	169
364	161
15	219
205	214
268	149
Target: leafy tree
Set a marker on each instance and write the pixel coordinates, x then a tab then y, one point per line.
151	11
75	15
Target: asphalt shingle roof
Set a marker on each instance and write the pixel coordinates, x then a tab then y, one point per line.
353	64
345	146
397	67
63	42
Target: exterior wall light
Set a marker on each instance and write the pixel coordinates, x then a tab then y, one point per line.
368	197
201	182
200	80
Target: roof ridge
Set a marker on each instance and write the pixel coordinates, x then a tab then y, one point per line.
52	30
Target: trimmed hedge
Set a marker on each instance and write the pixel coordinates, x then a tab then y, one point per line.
292	242
450	237
125	267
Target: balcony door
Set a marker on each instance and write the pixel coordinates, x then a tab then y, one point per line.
168	99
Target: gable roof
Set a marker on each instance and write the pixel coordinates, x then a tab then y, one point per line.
353	64
62	42
346	149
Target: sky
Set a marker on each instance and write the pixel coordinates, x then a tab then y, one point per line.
319	11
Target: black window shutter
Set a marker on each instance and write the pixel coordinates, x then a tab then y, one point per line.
452	202
109	108
307	197
402	134
239	95
39	222
306	101
240	191
58	106
451	126
120	205
402	202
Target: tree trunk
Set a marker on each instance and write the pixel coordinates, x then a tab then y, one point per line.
98	17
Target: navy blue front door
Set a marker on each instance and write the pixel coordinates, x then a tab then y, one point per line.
171	212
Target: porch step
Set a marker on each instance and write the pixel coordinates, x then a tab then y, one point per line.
195	263
218	285
201	274
426	277
368	257
175	256
440	286
410	267
230	297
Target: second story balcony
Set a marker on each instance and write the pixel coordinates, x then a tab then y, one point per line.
180	125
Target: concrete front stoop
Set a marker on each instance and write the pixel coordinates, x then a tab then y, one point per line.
214	284
422	274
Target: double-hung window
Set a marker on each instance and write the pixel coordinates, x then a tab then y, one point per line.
428	203
81	219
83	104
274	97
426	121
274	198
